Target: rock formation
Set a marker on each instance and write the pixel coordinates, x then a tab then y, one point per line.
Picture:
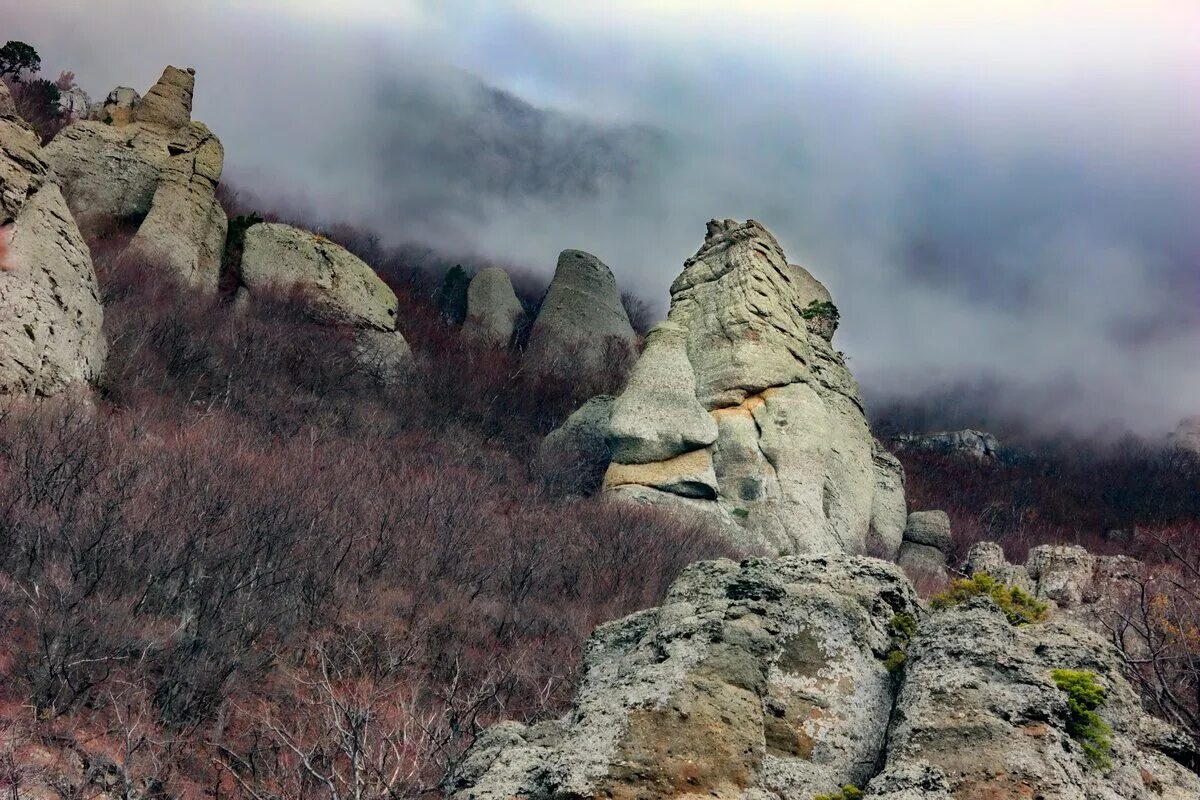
581	319
1187	435
75	103
1083	587
979	715
794	677
767	676
927	544
578	451
493	309
739	408
50	313
976	444
145	160
342	289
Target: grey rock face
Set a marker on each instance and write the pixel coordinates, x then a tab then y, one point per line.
577	451
979	716
764	677
50	313
784	461
921	560
493	309
22	164
75	103
889	510
976	444
8	108
145	159
343	288
930	528
168	104
184	231
340	288
581	317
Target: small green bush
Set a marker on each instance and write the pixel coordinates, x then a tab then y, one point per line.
1019	606
1084	696
895	660
820	308
904	626
847	792
740	513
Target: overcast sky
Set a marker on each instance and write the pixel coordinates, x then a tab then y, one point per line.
1005	190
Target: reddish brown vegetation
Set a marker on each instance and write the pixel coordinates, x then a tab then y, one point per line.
249	570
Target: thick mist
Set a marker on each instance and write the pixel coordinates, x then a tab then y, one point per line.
1008	200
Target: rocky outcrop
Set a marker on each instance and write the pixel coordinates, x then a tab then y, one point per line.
340	288
22	163
577	452
928	544
760	679
1083	587
976	444
794	677
740	408
50	313
185	229
979	716
493	309
1187	435
582	320
145	161
74	103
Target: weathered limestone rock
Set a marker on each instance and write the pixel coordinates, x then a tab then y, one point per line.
385	355
50	313
979	716
796	467
75	103
760	679
581	317
976	444
920	561
168	104
144	160
889	511
930	528
184	232
343	289
493	309
118	108
22	164
577	452
989	557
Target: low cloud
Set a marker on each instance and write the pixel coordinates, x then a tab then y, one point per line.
1005	197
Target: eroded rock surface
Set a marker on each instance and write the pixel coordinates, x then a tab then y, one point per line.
769	679
50	312
979	717
582	319
493	309
765	676
144	160
740	408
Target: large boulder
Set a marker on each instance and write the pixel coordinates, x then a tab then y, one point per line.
979	716
145	161
582	320
74	103
493	309
343	289
50	312
742	384
759	679
340	288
